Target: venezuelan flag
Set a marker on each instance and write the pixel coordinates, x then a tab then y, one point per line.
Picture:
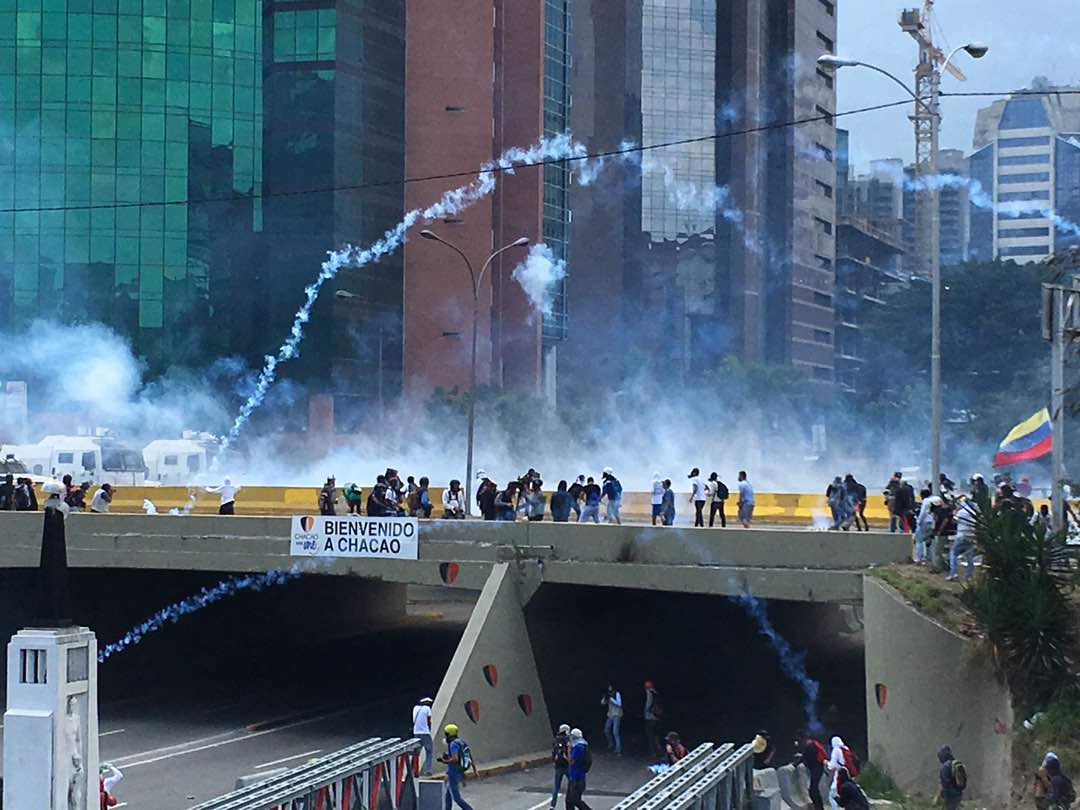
1032	438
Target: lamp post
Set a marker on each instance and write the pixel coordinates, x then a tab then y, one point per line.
476	280
931	108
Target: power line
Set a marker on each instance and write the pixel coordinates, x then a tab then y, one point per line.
463	174
551	161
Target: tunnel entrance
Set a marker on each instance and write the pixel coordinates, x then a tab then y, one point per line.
718	677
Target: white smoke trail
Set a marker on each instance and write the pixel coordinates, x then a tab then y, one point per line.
686	195
452	202
538	274
981	198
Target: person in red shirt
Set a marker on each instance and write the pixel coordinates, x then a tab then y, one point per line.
109	777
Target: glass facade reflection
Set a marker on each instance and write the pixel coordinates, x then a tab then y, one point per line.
678	100
113	113
556	175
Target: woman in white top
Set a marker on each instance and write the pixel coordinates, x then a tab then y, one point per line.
657	496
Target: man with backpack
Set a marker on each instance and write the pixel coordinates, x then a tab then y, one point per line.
813	756
857	497
458	760
612	490
718	494
953	779
421	716
580	765
560	760
841	759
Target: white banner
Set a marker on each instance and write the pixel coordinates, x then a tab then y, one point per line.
392	538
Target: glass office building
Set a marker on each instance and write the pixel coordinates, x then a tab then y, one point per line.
113	113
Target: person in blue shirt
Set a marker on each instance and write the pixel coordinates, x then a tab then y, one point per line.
575	788
457	760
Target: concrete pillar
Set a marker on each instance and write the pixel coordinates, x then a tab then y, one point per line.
51	722
492	688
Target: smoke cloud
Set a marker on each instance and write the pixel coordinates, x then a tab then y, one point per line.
792	662
538	274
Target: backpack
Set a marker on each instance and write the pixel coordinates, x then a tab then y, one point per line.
465	759
586	760
820	753
617	488
721	491
851	762
558	750
959	774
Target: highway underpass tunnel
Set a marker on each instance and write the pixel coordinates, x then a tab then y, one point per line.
314	642
718	677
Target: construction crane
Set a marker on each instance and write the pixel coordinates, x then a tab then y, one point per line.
917	22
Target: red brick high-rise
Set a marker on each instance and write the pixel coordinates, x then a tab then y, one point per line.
480	77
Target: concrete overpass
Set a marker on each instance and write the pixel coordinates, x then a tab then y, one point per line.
492	686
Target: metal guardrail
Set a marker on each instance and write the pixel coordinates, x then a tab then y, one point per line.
725	788
643	793
373	773
709	778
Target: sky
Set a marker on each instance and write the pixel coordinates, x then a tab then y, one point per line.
1027	38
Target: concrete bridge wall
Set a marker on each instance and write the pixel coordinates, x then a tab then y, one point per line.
774	563
926	687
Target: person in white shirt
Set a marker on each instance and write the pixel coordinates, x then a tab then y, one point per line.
697	495
102	498
453	501
421	721
657	496
228	497
746	500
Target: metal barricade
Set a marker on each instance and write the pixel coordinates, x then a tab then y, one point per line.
724	788
374	773
709	778
636	799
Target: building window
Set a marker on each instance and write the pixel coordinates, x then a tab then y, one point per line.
1024	196
825	114
1024	160
824	152
826	43
1025	250
1022	215
826	79
171	461
1025	177
1039	140
305	36
823	225
824	188
32	667
821	336
1018	233
822	299
830	9
823	263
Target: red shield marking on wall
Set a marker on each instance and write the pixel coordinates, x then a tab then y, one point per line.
472	710
491	675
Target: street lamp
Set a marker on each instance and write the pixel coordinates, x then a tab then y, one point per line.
931	107
476	281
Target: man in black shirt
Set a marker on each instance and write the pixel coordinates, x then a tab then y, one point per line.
813	756
576	493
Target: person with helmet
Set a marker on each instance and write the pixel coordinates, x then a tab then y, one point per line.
458	760
560	760
580	763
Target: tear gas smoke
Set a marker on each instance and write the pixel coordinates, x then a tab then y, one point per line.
538	274
171	614
452	202
792	662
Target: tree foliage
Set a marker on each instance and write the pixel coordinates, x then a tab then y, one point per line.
1021	602
994	362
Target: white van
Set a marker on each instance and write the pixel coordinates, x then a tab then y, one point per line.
175	462
84	458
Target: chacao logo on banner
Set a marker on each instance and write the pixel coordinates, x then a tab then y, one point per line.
355	536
